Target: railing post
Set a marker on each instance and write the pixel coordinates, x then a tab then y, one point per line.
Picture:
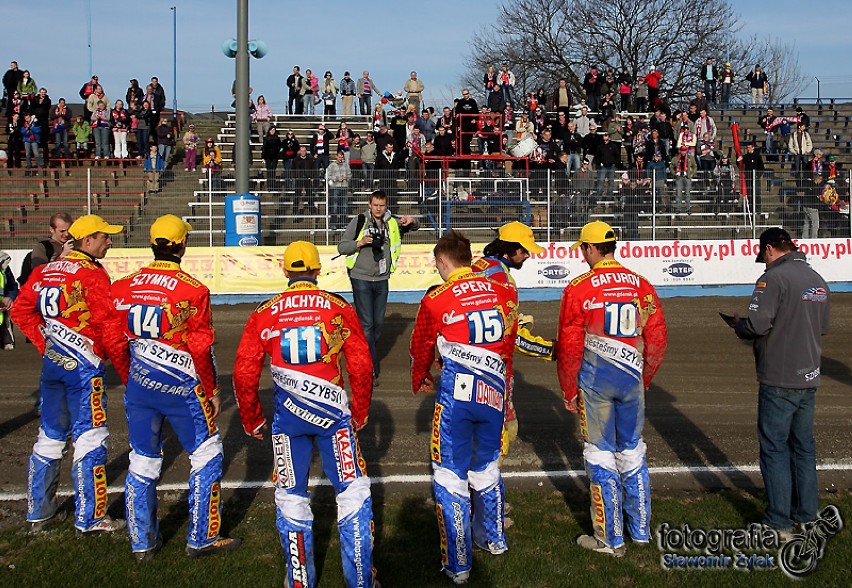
654	205
549	178
210	205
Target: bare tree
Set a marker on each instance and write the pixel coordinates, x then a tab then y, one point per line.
549	39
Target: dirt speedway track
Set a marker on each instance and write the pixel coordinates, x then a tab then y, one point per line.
701	410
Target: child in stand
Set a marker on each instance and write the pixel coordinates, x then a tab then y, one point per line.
190	149
82	134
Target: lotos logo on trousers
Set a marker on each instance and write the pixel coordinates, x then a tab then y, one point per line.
298	561
445	558
436	433
214	520
599	521
207	408
100	483
345	456
581	408
97	403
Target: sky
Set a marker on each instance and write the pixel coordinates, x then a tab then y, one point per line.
389	40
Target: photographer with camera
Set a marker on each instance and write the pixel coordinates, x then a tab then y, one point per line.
372	243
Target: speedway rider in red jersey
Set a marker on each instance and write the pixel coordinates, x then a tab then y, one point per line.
512	247
612	338
66	310
166	317
472	320
307	332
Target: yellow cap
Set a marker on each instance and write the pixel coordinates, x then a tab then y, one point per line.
301	256
517	232
595	232
171	228
90	224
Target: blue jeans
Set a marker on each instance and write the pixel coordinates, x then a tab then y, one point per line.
61	137
365	103
308	104
574	162
101	141
785	420
165	151
605	174
142	142
338	205
371	299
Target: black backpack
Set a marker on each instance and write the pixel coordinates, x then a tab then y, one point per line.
27	264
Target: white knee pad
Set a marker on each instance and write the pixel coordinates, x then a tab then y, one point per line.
595	456
49	448
486	478
350	500
205	452
145	467
631	459
293	506
449	480
89	441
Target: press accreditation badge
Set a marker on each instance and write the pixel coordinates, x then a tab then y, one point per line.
383	266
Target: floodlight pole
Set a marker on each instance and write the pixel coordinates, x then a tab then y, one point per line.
242	152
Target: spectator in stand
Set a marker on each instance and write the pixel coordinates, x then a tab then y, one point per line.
289	151
607	158
413	89
100	126
572	143
294	91
539	120
489	80
262	117
507	84
190	149
560	127
387	164
727	184
591	87
706	155
366	90
686	135
801	146
652	80
86	91
466	106
606	108
40	107
811	204
96	96
628	133
583	121
709	77
802	117
561	99
584	184
683	170
426	124
153	165
607	86
27	86
757	81
379	118
625	89
310	87
82	132
753	169
15	105
120	123
303	174
15	142
347	94
328	92
355	149
31	134
158	103
443	145
630	193
320	143
337	177
344	140
692	114
640	89
768	123
383	138
726	81
11	78
60	125
134	92
166	140
591	142
369	153
656	170
212	161
271	153
142	117
700	102
705	124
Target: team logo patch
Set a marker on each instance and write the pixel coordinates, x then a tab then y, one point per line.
282	474
584	424
207	408
435	444
97	403
343	446
100	483
815	295
489	396
298	558
445	558
214	521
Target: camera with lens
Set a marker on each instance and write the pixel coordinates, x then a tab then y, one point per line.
378	237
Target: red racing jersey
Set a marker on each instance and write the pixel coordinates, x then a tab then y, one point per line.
609	311
468	309
306	332
170	311
69	300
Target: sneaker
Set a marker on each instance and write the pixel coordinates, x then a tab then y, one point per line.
460	578
598	546
8	347
148	554
493	549
375	381
105	525
221	545
41	526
